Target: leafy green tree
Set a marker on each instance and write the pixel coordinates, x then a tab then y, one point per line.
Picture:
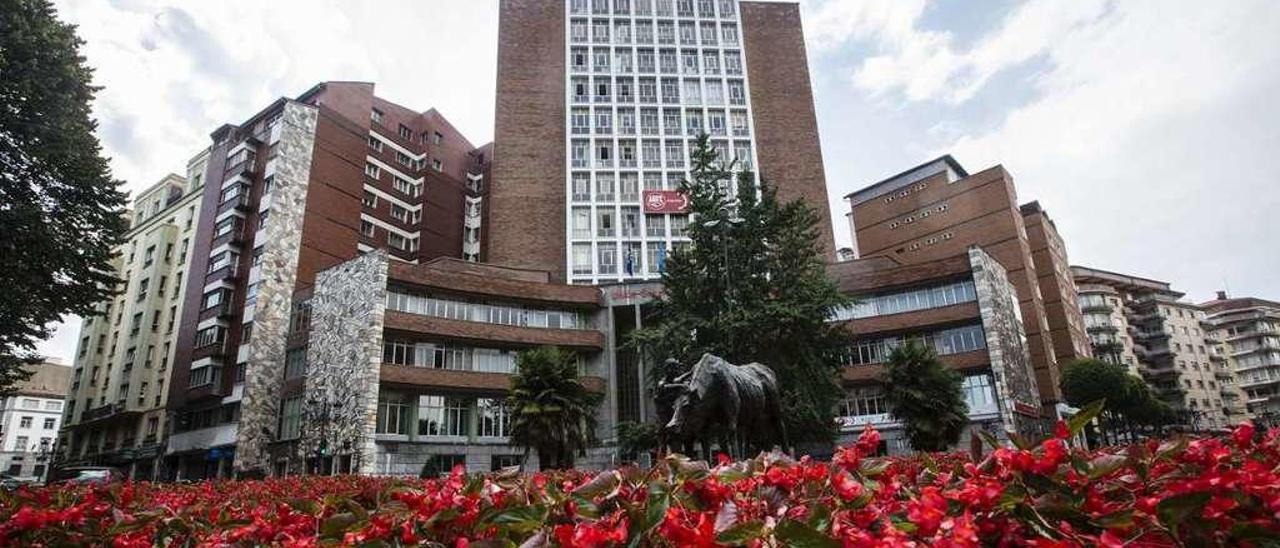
61	213
927	396
1130	406
552	412
752	287
637	438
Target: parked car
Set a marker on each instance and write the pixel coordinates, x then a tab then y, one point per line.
10	481
85	474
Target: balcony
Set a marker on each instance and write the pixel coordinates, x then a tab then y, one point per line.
1102	308
1149	334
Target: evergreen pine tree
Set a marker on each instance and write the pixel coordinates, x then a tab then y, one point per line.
751	286
61	213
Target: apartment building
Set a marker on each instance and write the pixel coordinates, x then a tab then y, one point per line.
1246	330
966	309
115	411
1057	287
937	210
30	418
1107	325
405	364
1166	337
598	104
299	187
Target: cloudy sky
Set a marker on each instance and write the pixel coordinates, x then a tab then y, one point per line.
1143	126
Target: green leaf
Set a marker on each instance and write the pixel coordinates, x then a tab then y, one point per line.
1121	519
1174	510
872	468
1105	464
521	519
741	533
989	439
1171	447
801	535
1019	441
1077	423
820	517
337	524
1256	534
605	484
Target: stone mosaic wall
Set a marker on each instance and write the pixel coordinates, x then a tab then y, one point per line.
264	373
1006	342
344	356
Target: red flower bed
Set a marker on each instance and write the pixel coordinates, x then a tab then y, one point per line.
1185	492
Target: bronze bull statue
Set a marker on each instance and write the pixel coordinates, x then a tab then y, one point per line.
738	406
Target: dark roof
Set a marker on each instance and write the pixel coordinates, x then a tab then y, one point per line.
955	166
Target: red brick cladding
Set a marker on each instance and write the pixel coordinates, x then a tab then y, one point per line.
490	281
1062	310
527	198
786	125
976	359
981	210
460	380
487	333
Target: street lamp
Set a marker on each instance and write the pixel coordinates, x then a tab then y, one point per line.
726	219
326	412
46	450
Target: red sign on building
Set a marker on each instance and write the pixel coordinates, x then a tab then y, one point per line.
665	201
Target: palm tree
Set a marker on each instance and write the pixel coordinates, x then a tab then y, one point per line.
552	412
926	396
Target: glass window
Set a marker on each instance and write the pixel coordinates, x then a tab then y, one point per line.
443	416
494	421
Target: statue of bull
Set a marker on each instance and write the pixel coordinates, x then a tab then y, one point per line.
737	405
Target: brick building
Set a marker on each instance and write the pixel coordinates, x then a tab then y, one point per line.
1057	286
938	209
963	307
299	187
406	364
598	102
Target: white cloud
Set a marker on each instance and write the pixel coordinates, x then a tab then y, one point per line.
1151	139
174	71
925	64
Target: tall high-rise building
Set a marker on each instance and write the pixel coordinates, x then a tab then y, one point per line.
599	102
1247	331
1174	349
1057	287
303	185
115	412
937	210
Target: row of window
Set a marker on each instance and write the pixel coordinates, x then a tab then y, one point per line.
405	132
28	421
496	313
620	31
948	341
692	122
607	223
686	61
661	8
919	215
440	416
907	301
868	403
452	357
650	154
671	91
629	258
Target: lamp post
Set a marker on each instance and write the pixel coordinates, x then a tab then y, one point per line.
46	450
324	416
726	219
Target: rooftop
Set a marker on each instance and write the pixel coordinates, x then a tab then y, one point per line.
941	164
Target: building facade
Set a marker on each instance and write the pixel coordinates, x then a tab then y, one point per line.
966	310
937	210
1171	346
408	366
1246	331
607	97
302	186
1057	286
115	412
30	419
